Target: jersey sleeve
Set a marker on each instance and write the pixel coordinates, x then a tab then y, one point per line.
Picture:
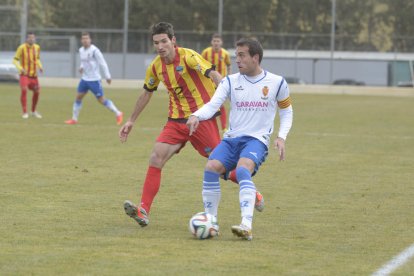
17	58
151	80
102	63
210	108
227	59
285	109
283	95
204	53
198	63
39	63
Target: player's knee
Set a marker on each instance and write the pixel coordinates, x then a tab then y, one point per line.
215	166
156	160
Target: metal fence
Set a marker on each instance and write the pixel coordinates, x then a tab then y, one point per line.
139	41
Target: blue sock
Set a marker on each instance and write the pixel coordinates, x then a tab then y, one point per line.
211	192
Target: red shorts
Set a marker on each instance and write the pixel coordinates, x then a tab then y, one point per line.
204	140
31	82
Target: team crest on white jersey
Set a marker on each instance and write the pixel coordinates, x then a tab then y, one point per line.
265	91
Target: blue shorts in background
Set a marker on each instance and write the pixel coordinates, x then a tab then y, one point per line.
230	150
94	86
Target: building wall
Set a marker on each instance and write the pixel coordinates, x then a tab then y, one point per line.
311	70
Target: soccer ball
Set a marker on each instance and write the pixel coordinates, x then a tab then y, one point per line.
203	226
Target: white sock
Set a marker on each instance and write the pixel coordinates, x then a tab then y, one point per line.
247	197
77	105
110	105
211	192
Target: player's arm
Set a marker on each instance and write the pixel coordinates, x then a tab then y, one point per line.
102	63
215	77
151	84
16	61
38	62
286	119
210	108
140	105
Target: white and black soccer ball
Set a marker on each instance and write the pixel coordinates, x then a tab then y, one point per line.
203	226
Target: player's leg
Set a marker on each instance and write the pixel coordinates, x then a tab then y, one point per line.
170	141
77	104
251	157
221	159
34	86
223	118
24	82
97	90
160	155
205	139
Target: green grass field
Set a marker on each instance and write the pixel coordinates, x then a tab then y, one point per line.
341	204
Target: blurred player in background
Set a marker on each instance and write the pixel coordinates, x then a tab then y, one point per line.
189	81
255	96
91	60
27	61
219	57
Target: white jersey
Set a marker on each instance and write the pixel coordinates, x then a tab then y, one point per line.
253	105
91	59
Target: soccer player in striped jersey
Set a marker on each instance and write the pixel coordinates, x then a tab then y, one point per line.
190	81
91	60
255	96
219	57
27	61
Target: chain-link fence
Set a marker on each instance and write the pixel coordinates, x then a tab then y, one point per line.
139	41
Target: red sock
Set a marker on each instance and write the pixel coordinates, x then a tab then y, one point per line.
223	118
233	177
23	99
151	187
35	99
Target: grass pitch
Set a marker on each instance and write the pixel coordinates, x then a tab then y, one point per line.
341	204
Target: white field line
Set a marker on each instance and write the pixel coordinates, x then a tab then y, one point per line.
395	262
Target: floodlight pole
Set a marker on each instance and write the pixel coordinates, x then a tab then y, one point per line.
23	21
125	40
220	17
331	69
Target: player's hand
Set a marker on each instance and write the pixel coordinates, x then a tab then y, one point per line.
23	72
41	70
81	70
108	81
124	131
280	146
192	124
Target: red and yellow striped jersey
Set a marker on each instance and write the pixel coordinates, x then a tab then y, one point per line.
186	80
28	58
220	59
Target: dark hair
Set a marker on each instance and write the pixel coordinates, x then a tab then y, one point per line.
216	35
163	28
29	33
255	48
86	34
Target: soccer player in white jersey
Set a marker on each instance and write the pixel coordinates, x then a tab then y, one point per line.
255	96
91	60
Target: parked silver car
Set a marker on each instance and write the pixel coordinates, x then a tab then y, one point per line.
8	72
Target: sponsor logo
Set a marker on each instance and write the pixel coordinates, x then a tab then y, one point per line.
244	204
252	106
254	154
239	88
151	81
